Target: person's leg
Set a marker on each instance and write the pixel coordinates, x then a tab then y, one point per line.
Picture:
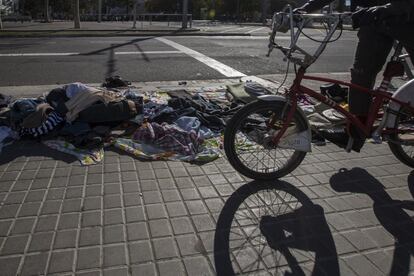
402	32
371	54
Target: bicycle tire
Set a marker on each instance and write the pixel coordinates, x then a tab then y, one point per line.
233	126
395	141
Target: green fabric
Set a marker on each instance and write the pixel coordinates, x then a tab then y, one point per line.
209	153
239	93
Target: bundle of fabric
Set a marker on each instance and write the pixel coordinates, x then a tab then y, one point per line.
47	124
169	138
77	101
211	114
209	151
246	92
34	117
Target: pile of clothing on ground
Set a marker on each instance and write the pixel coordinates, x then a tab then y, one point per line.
81	120
322	118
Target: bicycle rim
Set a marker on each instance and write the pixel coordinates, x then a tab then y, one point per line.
248	141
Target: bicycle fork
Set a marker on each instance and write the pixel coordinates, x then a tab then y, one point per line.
284	137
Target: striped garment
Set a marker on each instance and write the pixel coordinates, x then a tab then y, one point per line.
51	122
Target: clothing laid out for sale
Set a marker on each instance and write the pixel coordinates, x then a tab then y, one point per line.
80	101
38	117
109	112
53	120
81	120
169	138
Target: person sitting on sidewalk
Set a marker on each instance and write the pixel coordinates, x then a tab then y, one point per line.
380	23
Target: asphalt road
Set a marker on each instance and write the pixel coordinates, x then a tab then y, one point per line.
37	61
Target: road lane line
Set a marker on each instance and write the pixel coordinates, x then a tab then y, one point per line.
255	30
148	52
78	54
38	54
216	65
233	30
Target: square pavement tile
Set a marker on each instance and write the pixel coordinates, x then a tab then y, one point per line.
114	255
159	228
164	248
171	268
61	261
89	258
35	264
9	265
140	252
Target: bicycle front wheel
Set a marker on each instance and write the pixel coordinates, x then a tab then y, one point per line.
248	141
401	142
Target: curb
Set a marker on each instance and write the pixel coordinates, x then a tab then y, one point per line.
112	34
208	84
101	30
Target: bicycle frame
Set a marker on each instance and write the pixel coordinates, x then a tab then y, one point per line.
380	95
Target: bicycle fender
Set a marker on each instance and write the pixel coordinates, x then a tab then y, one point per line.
271	98
301	141
405	94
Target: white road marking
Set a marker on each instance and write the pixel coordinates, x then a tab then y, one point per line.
108	42
78	54
255	30
38	54
233	30
216	65
148	53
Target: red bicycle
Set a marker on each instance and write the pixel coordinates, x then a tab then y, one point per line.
270	137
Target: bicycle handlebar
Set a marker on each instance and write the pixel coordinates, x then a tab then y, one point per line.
287	20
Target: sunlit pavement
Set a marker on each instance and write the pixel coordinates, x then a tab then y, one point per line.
337	213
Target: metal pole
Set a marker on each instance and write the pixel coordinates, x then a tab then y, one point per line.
134	26
238	11
77	16
99	11
47	17
1	22
185	12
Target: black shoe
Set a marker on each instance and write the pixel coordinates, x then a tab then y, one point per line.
340	137
318	140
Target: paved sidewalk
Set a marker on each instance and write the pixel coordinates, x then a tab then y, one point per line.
127	217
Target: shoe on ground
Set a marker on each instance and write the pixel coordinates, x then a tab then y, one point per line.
340	137
317	139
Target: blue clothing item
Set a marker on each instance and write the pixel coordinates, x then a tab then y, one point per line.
52	121
193	123
21	108
153	110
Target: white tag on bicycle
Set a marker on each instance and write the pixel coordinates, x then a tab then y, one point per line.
298	141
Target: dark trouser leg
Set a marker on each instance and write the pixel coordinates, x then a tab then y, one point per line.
371	54
402	32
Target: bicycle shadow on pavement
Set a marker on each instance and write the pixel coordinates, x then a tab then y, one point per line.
273	227
389	212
